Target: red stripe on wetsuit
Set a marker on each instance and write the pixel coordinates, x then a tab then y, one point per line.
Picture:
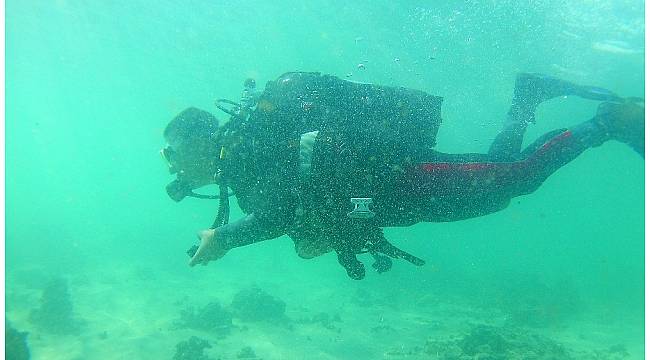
433	175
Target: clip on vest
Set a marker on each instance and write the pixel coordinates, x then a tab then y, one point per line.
361	208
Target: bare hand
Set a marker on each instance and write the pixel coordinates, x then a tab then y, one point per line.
209	250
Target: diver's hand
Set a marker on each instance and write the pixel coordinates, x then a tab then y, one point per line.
385	247
209	250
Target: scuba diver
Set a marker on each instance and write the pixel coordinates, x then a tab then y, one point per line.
330	162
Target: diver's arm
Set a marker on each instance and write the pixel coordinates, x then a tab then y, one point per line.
215	243
249	230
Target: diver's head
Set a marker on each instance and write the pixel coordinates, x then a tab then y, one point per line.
249	83
192	150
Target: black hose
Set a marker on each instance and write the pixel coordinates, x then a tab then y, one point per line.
231	111
223	214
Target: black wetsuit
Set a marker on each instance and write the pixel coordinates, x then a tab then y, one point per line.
374	142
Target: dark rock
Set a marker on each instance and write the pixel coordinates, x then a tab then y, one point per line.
15	343
254	304
246	353
498	343
211	318
55	313
483	339
192	349
619	349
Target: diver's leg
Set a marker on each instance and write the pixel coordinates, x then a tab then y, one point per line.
613	121
471	186
530	91
623	122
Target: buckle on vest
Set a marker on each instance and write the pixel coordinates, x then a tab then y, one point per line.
361	208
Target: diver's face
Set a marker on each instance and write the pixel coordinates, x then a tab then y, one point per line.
193	161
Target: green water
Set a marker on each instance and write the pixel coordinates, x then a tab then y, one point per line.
90	86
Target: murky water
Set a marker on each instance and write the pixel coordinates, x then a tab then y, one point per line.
95	246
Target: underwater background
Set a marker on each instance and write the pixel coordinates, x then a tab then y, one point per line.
95	250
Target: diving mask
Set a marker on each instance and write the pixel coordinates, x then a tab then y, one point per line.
168	155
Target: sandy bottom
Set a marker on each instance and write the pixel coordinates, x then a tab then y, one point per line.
128	312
